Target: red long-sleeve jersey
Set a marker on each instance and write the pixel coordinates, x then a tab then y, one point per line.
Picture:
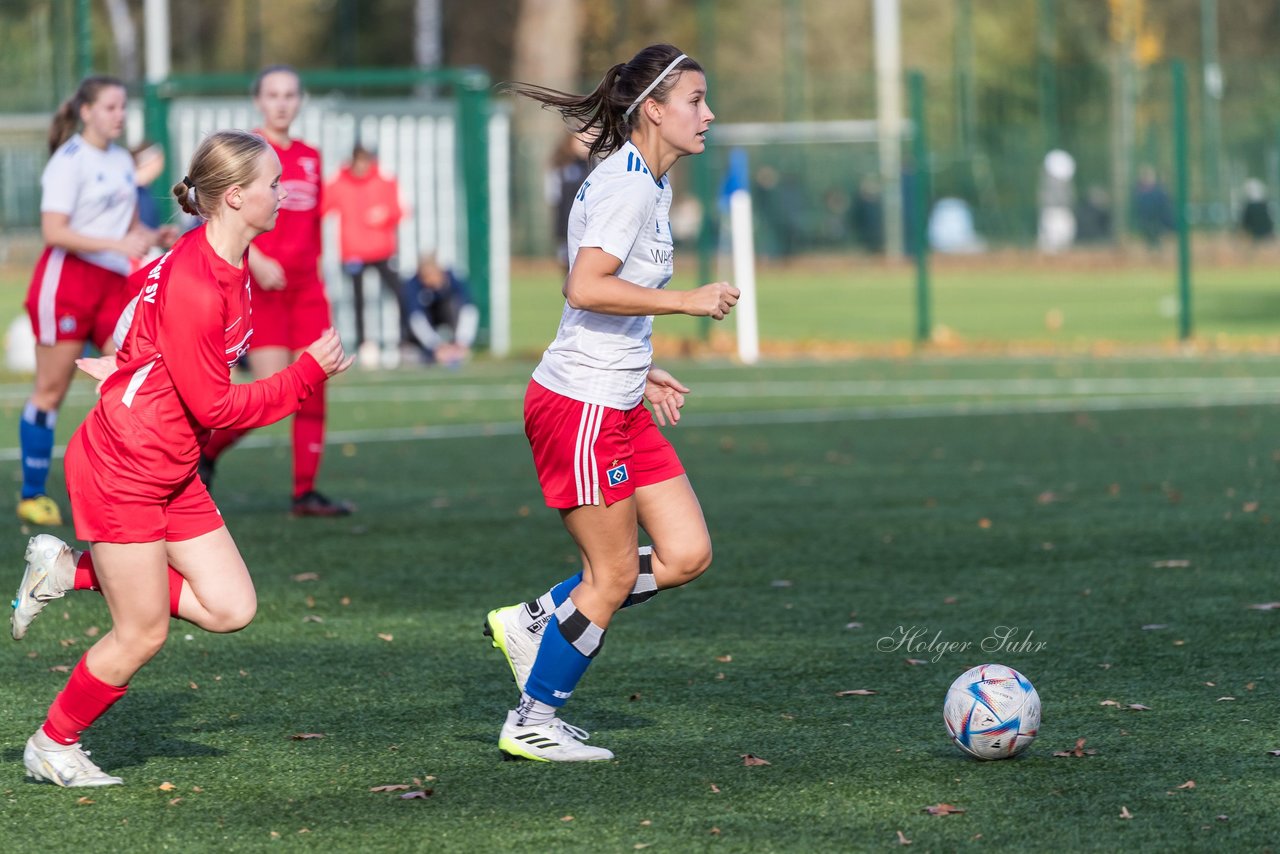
172	385
295	241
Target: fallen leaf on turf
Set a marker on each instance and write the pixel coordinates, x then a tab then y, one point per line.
1138	707
174	802
902	840
306	576
780	582
422	781
306	736
984	523
1221	699
386	636
60	668
193	686
715	790
311	601
715	831
855	692
854	625
915	661
646	823
1154	627
1078	751
724	659
345	600
92	631
84	802
1125	814
1221	818
942	809
640	846
1046	497
720	677
950	600
566	818
197	789
1190	784
166	786
1171	564
1108	703
1249	506
313	618
391	787
1266	606
1105	666
752	759
68	642
417	795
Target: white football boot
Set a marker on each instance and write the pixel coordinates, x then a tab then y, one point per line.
519	645
554	741
50	573
64	765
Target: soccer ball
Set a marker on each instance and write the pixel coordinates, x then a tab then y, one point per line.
992	712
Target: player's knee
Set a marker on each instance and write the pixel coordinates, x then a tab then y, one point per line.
234	616
141	643
686	562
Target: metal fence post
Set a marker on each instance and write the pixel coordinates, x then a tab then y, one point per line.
920	204
1180	197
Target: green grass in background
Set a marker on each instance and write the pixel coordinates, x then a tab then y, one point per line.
848	502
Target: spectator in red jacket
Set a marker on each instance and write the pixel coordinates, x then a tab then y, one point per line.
368	207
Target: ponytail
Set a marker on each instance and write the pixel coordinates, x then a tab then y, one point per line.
604	116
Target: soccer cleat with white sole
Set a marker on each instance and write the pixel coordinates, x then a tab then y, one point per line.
518	645
64	765
554	741
50	573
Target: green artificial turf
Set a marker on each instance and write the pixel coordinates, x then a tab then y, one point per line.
1121	513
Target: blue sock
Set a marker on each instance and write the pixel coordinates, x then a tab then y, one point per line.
561	591
569	642
35	435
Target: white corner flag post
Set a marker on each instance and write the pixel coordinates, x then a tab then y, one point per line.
744	274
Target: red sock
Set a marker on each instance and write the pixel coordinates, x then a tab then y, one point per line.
220	441
308	443
85	699
87	579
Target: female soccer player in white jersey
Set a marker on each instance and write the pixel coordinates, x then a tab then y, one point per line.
158	545
601	459
89	221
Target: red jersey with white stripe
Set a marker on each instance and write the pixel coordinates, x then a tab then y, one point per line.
191	323
295	241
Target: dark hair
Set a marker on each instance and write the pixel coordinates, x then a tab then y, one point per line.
601	115
67	117
225	158
256	86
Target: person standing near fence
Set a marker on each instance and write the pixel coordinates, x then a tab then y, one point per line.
570	164
290	307
158	545
368	207
89	221
600	457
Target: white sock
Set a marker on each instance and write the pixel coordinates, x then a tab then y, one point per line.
531	712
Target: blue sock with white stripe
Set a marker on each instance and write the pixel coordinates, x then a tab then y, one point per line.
35	435
569	642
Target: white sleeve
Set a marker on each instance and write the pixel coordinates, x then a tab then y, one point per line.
59	185
616	212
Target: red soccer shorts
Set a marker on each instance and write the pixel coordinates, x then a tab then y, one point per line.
292	317
105	513
72	300
585	451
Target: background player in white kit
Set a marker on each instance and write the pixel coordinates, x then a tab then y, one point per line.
88	218
600	457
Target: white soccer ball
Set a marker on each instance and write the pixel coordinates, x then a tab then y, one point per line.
992	712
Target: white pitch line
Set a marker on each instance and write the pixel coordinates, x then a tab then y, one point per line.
763	418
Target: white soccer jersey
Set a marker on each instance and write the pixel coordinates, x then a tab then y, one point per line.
96	189
620	208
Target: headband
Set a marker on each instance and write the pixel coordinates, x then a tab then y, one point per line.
653	85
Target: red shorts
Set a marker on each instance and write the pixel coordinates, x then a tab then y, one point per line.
585	451
72	300
104	513
293	317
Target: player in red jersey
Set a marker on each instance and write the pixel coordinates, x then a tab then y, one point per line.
290	307
158	546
